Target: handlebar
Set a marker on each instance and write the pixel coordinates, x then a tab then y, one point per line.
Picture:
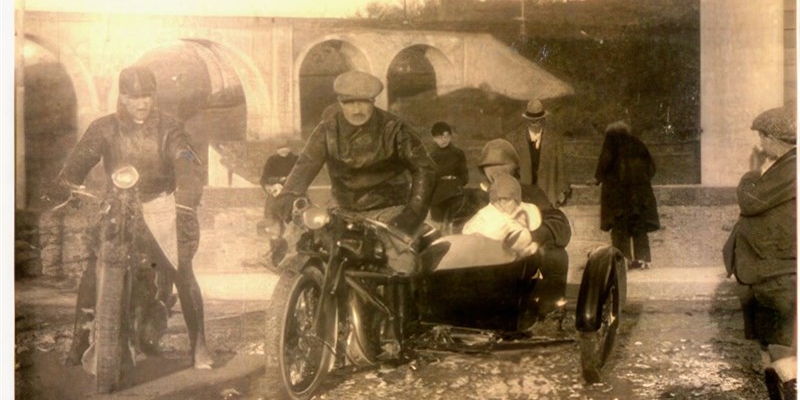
302	204
76	190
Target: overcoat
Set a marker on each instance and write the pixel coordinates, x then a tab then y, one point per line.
625	169
552	172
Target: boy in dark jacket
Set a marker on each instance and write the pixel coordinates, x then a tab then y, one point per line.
453	174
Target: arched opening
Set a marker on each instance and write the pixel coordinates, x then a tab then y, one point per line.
50	118
410	73
323	63
198	85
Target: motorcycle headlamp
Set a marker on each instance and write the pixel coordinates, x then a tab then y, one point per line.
125	177
315	218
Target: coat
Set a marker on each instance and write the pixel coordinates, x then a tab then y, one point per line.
277	168
161	152
159	149
625	169
763	244
380	164
453	173
552	172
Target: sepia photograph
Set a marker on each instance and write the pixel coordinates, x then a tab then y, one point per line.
403	199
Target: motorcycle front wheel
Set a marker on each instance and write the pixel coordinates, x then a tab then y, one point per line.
298	350
596	346
110	340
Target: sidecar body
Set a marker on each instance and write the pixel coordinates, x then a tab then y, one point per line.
472	281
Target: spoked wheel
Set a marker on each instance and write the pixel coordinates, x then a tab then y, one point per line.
110	342
596	346
304	349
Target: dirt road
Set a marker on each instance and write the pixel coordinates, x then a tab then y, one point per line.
667	349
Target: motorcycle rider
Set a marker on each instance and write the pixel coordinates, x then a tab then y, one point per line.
378	166
155	144
498	157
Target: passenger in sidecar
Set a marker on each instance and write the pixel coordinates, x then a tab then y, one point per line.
476	281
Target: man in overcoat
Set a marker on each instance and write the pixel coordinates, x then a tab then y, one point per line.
627	203
541	154
762	249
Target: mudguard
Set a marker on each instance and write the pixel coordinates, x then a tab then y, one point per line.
604	264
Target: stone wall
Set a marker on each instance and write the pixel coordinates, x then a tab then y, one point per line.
695	221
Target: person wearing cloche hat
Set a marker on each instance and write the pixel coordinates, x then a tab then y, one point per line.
761	251
170	181
540	153
378	165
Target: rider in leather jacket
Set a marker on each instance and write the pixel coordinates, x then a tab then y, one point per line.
159	148
377	164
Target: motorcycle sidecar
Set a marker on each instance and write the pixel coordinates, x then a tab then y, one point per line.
472	281
469	281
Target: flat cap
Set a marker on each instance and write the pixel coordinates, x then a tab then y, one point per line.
137	81
780	123
357	85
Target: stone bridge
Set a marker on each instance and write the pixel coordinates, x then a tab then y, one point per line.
236	78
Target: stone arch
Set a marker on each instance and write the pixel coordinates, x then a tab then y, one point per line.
216	90
418	68
229	73
82	82
326	57
59	102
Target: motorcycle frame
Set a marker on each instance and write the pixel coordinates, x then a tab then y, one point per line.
341	277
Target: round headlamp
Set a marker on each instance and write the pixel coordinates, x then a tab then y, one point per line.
125	177
315	218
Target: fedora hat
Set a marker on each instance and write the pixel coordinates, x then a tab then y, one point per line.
534	111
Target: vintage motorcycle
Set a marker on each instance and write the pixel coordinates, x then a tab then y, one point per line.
339	304
130	315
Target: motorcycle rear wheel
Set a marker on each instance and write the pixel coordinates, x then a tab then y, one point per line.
298	358
596	346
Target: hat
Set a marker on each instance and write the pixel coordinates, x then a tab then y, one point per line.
779	123
137	81
440	128
498	152
505	187
357	85
535	111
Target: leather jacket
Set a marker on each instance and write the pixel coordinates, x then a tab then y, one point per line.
159	149
380	164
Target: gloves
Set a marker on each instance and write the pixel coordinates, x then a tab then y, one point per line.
407	222
282	206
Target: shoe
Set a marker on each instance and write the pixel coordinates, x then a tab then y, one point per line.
636	264
80	342
778	389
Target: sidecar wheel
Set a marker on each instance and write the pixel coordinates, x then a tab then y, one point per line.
298	358
596	346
